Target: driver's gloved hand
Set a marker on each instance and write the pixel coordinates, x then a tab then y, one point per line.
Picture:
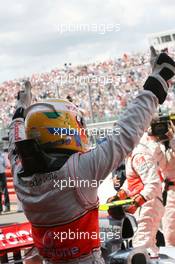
163	69
120	195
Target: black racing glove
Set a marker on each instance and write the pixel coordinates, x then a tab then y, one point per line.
163	70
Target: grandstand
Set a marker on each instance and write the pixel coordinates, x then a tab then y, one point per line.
102	89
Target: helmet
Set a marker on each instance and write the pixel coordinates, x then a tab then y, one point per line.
57	125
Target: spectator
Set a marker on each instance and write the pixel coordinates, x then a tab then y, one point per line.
3	185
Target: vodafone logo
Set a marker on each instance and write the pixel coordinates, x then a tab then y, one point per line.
48	239
15	238
15	235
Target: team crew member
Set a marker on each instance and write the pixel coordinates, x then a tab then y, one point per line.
61	157
169	175
144	185
3	185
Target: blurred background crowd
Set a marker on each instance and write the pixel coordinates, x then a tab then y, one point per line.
102	89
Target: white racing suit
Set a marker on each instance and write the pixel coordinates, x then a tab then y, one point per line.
169	216
142	177
65	200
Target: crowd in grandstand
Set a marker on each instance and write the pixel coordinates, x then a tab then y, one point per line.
108	85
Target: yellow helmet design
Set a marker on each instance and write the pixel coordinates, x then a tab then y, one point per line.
57	125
